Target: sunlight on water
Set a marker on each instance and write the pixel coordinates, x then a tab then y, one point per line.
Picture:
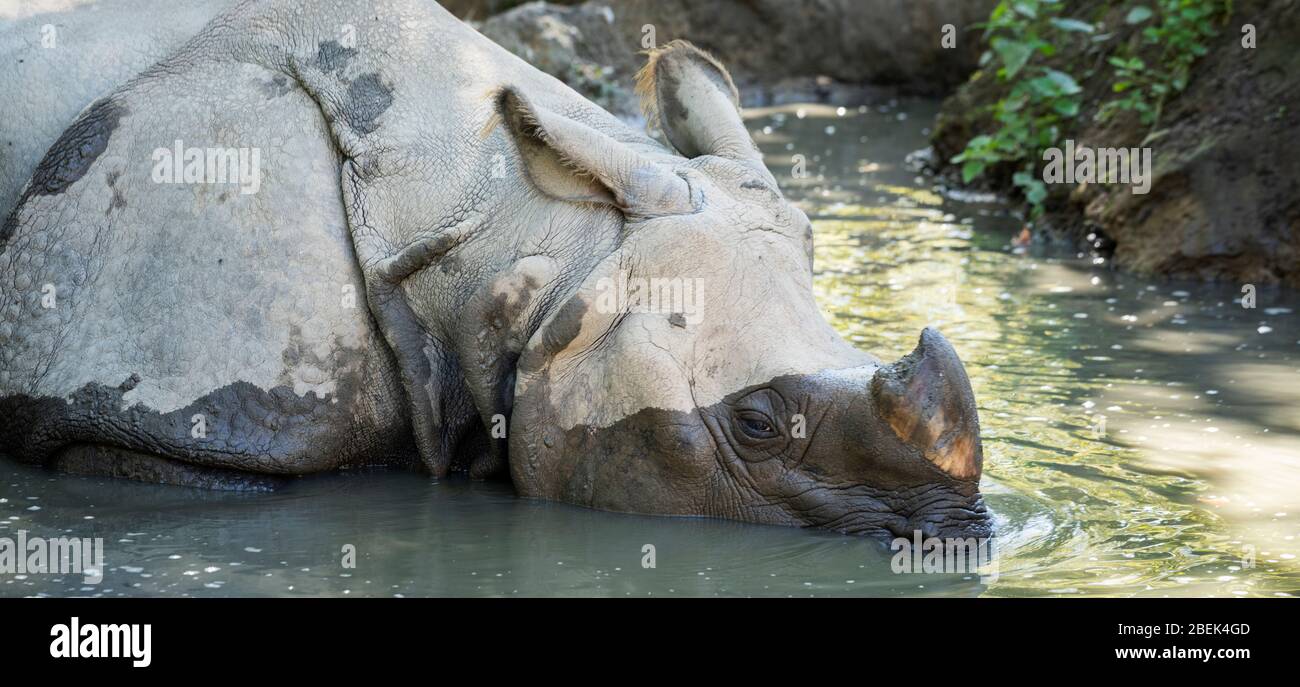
1187	488
1140	436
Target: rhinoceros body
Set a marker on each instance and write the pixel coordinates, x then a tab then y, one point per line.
322	235
60	58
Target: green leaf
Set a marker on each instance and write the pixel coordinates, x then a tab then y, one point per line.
1043	88
1036	192
1134	64
1064	82
1014	54
1066	108
970	170
1072	25
1029	8
1014	104
1138	14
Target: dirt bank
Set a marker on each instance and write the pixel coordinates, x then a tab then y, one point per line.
1225	199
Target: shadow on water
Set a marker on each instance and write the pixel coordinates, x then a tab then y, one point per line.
1141	437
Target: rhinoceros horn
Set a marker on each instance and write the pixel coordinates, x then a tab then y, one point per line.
926	398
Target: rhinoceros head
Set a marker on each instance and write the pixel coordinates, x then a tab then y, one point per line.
692	373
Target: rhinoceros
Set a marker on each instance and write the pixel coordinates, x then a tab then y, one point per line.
327	235
60	56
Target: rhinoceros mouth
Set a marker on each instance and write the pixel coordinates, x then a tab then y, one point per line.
863	510
954	517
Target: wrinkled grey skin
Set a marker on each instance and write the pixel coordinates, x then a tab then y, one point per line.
425	269
62	54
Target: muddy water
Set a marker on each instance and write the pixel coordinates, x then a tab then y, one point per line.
1141	437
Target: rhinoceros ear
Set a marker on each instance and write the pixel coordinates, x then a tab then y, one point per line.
572	161
689	95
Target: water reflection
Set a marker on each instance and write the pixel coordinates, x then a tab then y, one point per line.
1144	435
414	536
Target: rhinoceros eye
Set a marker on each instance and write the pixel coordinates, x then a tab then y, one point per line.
756	425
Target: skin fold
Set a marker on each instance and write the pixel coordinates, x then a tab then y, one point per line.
452	255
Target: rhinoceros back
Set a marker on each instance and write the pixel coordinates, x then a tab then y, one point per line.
179	279
55	59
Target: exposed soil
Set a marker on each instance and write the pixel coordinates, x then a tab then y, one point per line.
1225	200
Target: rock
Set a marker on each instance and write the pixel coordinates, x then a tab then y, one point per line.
595	47
894	42
478	10
578	45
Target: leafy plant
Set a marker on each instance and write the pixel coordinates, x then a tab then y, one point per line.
1041	100
1180	30
1029	119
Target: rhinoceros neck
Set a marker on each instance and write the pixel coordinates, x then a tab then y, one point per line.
429	176
463	257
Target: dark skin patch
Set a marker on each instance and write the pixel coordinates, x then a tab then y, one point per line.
494	320
674	110
368	98
106	461
119	200
332	57
76	149
245	425
69	158
246	428
564	327
298	354
276	87
11	224
671	105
